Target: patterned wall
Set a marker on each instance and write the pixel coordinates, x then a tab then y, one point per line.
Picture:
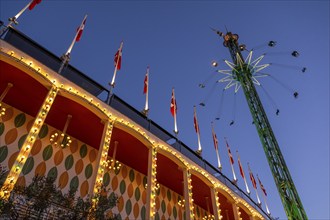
74	167
71	167
129	185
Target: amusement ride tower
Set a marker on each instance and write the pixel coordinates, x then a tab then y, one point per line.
243	73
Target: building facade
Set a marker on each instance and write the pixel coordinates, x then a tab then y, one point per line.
154	175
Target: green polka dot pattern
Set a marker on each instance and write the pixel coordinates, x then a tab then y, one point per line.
71	167
75	167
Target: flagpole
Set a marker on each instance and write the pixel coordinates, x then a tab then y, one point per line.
117	61
254	184
242	173
267	209
199	151
231	164
247	187
13	20
74	39
234	176
146	107
175	126
259	202
173	110
174	115
264	196
109	95
216	147
219	163
66	56
112	84
65	60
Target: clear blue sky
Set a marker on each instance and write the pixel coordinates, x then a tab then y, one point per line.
174	38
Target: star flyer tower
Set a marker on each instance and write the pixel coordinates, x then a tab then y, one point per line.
243	73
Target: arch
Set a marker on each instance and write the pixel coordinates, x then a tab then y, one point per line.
21	95
246	209
164	164
226	194
202	177
14	61
135	133
172	157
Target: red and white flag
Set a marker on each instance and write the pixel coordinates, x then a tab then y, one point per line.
173	107
33	4
146	82
76	38
118	55
80	29
215	139
264	194
146	92
254	183
78	35
29	6
196	126
117	63
262	186
240	168
231	159
253	180
216	146
229	154
242	172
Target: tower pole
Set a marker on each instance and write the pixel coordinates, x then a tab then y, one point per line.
243	73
